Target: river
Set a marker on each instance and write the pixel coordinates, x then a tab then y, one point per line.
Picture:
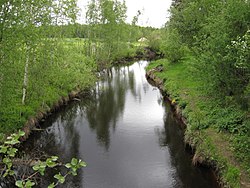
127	135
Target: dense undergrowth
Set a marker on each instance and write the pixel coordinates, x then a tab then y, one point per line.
218	129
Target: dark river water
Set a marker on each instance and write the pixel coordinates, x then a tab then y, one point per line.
127	135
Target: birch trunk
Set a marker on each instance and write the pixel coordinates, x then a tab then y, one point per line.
25	79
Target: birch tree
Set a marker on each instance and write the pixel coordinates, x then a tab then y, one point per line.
27	51
106	19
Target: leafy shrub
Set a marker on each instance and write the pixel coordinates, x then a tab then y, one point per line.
172	46
8	152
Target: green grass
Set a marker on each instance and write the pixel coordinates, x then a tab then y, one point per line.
50	77
209	120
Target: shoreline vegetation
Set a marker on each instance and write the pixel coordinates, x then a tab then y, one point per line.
33	122
49	86
206	73
212	148
73	88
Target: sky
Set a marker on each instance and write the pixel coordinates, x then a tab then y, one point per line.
154	12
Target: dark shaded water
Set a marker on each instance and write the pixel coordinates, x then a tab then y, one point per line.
127	135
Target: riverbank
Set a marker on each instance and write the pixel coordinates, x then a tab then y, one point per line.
49	86
204	116
78	93
53	86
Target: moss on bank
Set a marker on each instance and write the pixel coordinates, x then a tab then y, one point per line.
217	129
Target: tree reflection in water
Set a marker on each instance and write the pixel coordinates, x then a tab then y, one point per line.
169	137
108	104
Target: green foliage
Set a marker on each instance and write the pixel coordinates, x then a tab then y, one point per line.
74	165
241	144
196	119
232	175
227	119
24	184
32	61
216	33
8	152
109	38
172	46
49	78
36	70
60	178
107	25
238	57
154	40
206	112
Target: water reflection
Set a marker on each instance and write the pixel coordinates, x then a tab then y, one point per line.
125	133
171	136
109	102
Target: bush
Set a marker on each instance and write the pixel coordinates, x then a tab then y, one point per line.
172	47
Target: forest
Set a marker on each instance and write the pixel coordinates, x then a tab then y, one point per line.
204	49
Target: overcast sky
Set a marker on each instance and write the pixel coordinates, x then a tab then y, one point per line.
154	12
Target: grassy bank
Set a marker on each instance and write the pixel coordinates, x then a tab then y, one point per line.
52	76
218	130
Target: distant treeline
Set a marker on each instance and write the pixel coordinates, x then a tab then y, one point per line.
82	31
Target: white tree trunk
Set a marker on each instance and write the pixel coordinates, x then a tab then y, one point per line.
25	79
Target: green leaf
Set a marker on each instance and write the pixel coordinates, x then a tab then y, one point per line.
74	173
21	133
15	136
52	185
5	174
50	163
36	167
60	178
68	165
29	184
11	172
54	158
12	142
12	152
74	169
19	183
82	164
3	149
40	168
74	161
8	162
